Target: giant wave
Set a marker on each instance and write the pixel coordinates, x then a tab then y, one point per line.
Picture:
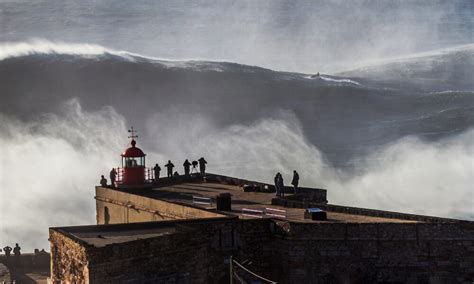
384	144
345	120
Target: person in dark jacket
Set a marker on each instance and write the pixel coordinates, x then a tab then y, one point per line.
281	185
16	250
186	166
113	176
296	179
277	184
7	251
103	181
157	170
202	166
17	253
170	167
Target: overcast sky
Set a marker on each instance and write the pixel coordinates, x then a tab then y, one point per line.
303	36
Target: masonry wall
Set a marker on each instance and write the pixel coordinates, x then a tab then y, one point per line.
316	195
246	240
382	252
176	258
279	250
299	202
69	262
197	253
116	207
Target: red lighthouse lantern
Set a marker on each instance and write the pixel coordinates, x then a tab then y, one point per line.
133	164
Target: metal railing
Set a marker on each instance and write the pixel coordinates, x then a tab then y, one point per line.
241	274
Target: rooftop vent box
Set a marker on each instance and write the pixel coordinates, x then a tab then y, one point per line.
315	214
224	202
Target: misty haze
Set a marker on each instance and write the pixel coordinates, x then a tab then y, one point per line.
387	123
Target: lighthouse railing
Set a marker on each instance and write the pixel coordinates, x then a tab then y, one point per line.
149	176
119	175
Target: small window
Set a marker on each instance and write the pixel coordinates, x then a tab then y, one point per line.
106	215
134	162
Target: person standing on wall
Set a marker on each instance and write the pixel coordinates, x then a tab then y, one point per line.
7	251
296	178
103	181
157	170
276	179
186	166
170	167
281	185
202	166
17	253
113	176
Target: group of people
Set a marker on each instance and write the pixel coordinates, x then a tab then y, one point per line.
8	250
187	168
157	169
279	184
280	187
113	178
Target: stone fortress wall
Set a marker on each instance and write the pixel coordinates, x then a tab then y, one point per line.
378	252
198	243
115	207
287	252
197	252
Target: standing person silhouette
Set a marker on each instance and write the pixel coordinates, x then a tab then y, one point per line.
276	180
281	185
186	166
296	178
17	253
103	181
170	167
113	176
7	251
157	170
202	166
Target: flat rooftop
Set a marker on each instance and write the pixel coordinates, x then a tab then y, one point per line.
183	193
101	238
103	235
246	205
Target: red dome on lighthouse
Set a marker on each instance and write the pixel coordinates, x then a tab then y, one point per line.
133	151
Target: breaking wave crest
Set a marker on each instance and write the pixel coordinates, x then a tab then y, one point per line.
17	49
86	50
337	80
50	166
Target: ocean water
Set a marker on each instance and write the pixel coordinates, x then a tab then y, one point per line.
395	136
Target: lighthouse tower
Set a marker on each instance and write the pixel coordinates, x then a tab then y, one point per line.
133	164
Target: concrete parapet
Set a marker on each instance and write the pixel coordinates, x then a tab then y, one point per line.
295	203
